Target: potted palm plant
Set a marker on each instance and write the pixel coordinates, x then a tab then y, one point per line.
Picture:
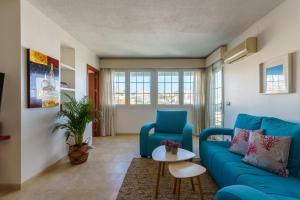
73	119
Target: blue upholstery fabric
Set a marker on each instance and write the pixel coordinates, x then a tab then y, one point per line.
175	126
274	126
170	121
248	122
240	192
272	184
241	181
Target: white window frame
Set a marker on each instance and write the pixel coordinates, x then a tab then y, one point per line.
154	87
129	87
125	88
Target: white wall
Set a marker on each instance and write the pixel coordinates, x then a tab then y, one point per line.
41	148
10	117
278	33
131	118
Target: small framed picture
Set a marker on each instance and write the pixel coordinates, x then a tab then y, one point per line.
276	75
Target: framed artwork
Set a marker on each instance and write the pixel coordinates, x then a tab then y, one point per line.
42	80
276	75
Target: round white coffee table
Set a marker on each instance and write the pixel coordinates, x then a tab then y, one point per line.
182	170
162	156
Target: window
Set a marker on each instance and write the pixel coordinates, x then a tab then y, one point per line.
151	87
188	87
217	97
140	89
119	88
168	88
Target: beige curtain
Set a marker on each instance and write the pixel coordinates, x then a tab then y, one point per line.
199	101
107	105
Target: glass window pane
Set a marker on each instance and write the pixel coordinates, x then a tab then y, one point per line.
175	88
175	98
132	98
147	99
187	88
132	76
140	76
168	98
146	87
121	88
161	99
161	77
168	88
140	88
168	77
140	99
161	87
121	78
175	77
147	76
132	87
168	83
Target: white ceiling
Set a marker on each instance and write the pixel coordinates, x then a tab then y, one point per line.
155	28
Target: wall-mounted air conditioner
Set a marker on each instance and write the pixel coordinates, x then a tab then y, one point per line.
246	48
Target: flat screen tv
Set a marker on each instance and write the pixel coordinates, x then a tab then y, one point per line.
1	86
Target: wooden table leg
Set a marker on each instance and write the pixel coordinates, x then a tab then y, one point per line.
157	179
193	185
200	187
175	186
178	189
163	169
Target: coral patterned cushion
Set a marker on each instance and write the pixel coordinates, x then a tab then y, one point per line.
269	152
239	143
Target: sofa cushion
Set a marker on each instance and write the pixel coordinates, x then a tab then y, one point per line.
170	121
272	184
239	143
233	170
274	126
248	122
269	152
213	155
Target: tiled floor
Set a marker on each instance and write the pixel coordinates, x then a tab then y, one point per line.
100	178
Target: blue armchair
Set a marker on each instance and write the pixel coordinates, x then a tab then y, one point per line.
170	125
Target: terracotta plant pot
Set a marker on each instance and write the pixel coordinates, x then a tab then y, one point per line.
78	154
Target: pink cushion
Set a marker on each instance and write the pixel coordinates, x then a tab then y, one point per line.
269	152
239	143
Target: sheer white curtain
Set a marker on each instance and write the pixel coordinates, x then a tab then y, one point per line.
199	101
107	105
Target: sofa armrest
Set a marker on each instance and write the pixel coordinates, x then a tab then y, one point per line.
144	137
187	137
240	192
214	131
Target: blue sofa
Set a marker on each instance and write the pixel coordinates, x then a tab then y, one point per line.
170	125
240	181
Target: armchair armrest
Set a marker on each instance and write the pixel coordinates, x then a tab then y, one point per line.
215	131
240	192
187	137
144	137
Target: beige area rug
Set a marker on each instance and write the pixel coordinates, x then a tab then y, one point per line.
140	182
